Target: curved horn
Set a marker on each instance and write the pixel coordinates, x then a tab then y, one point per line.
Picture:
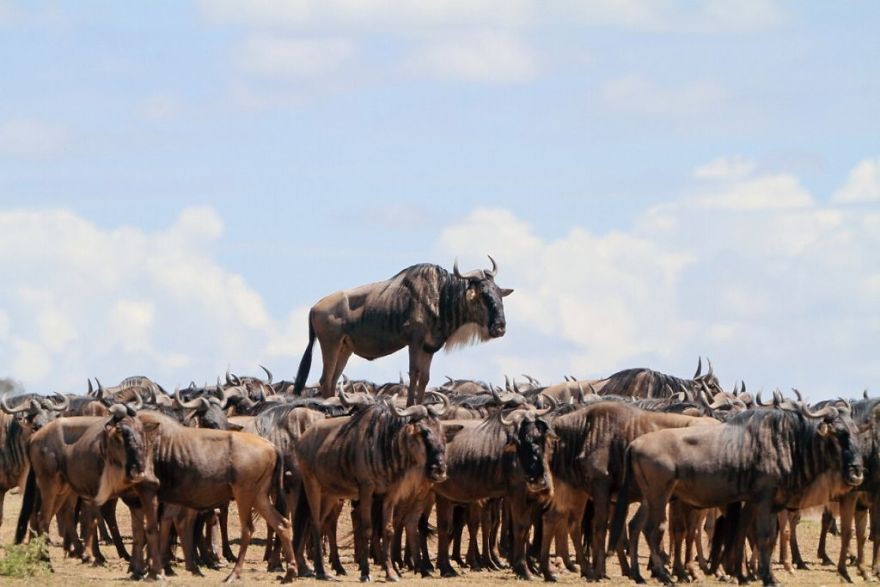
699	367
195	403
491	272
470	275
62	404
400	381
416	411
709	373
450	380
118	411
760	403
777	397
826	411
865	393
495	395
268	375
101	393
434	410
798	394
5	407
91	389
505	421
139	403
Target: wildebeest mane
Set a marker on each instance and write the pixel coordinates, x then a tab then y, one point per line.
644	383
377	427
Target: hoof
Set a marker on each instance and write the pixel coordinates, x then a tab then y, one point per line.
365	579
550	577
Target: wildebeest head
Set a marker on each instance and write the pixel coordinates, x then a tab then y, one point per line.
837	427
125	443
483	298
33	414
423	438
533	440
208	409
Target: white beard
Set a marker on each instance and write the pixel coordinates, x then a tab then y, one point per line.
467	335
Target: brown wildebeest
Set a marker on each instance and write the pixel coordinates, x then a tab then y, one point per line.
423	307
768	459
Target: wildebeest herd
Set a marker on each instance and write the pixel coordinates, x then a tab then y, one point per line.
567	472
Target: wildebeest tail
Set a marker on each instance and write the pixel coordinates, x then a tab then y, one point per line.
305	364
301	519
621	509
724	537
28	505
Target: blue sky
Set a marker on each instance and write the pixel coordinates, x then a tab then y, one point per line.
179	182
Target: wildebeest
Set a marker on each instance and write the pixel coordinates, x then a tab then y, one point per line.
93	457
423	307
647	383
380	450
505	455
768	459
17	423
589	464
201	469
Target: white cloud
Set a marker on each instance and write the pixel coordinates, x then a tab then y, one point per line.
726	168
84	301
481	57
787	296
272	56
862	184
28	137
639	95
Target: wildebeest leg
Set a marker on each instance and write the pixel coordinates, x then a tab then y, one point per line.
89	519
634	530
655	523
694	519
827	519
149	511
782	520
765	535
313	495
419	371
184	522
245	506
365	529
136	564
861	518
847	510
330	526
601	504
459	519
276	521
224	533
330	353
473	523
444	527
108	513
677	531
875	534
520	517
553	520
796	558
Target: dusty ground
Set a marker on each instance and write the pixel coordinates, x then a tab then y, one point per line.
70	572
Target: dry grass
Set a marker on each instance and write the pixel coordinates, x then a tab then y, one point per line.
69	572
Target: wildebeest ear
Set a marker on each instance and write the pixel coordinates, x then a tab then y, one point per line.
471	294
506	292
450	430
824	429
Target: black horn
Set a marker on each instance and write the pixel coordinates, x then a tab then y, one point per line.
268	375
699	367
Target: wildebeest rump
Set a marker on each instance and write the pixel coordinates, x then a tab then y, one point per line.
423	307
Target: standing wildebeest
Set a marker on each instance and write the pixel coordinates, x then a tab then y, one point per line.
505	455
423	307
200	469
379	451
766	458
17	423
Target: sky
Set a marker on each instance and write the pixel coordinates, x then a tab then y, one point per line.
657	179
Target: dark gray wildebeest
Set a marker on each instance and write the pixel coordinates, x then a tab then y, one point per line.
505	455
94	457
379	451
768	459
646	383
17	423
423	307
